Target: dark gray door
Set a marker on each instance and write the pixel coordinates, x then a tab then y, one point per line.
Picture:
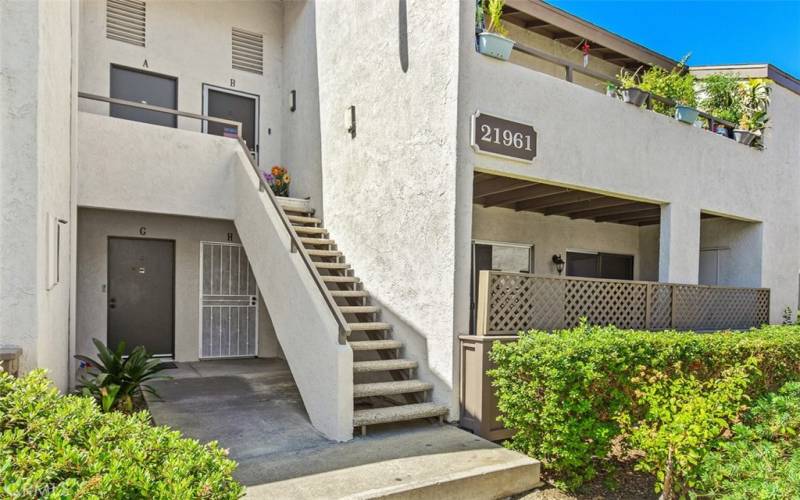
141	291
240	108
145	88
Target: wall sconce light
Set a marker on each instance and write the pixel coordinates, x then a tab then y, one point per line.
292	100
559	262
350	121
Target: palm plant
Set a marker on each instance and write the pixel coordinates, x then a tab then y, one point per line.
754	95
114	381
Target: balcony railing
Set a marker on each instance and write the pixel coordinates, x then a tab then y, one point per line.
570	68
512	302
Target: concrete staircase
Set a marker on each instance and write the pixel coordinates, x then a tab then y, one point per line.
385	387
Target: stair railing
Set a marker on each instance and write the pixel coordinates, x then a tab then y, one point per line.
295	243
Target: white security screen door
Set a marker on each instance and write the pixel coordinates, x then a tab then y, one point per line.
228	302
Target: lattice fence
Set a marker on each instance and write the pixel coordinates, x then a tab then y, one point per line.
512	302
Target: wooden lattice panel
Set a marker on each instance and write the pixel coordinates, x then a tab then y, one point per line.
719	308
512	302
521	302
601	302
660	307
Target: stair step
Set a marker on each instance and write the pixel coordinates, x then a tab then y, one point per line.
374	345
390	388
349	293
359	309
340	279
324	253
331	265
383	365
303	219
310	230
316	241
398	413
364	327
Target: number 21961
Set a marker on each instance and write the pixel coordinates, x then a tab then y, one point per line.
505	137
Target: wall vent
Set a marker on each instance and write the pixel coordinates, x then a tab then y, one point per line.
247	51
125	21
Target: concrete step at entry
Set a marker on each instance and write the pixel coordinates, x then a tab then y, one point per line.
369	327
397	413
301	219
383	365
306	240
349	293
359	309
324	253
390	388
374	345
310	230
340	279
331	265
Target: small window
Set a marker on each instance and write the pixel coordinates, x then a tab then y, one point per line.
247	52
600	265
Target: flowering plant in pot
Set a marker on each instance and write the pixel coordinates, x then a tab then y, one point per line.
754	96
278	180
492	40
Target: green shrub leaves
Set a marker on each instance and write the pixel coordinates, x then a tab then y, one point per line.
54	446
572	395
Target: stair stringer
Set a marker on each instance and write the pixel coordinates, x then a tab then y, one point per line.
306	329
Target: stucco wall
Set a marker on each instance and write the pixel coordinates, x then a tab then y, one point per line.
301	133
388	193
126	165
742	243
191	40
94	229
554	235
35	154
592	141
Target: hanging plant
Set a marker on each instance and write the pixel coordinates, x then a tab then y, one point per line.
492	40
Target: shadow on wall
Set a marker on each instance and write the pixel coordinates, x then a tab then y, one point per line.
402	33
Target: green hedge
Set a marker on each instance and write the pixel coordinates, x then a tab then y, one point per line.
55	446
762	458
565	393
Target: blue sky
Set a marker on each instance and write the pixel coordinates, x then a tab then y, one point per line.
714	31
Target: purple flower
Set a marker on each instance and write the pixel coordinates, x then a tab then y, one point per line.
268	177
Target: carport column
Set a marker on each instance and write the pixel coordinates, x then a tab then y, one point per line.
679	244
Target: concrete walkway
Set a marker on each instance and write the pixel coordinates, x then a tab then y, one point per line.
253	408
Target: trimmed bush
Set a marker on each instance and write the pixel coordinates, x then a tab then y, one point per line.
55	446
566	393
762	459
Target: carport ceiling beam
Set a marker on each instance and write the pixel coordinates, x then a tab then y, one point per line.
629	208
556	200
531	193
650	218
581	206
497	185
632	215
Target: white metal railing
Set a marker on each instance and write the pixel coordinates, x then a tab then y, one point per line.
295	243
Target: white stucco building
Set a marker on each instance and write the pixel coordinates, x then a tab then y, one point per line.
127	223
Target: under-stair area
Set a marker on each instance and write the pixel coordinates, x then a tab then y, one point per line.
385	387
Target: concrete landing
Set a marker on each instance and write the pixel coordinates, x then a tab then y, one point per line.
252	407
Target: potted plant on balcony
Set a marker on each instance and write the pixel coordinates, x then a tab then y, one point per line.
630	90
720	98
676	85
492	40
754	95
278	180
